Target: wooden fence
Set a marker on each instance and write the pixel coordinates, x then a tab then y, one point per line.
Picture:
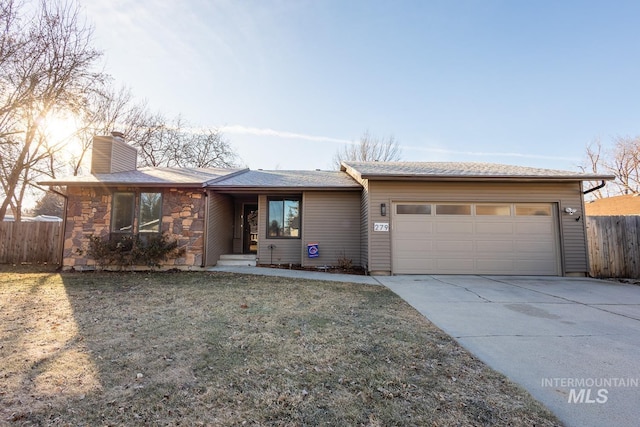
614	245
30	242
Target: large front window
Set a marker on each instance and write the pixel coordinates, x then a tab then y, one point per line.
284	217
124	208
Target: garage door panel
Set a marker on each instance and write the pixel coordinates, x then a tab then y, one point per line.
535	228
469	244
451	227
455	264
416	245
495	266
498	246
533	246
494	228
416	266
534	267
413	227
454	245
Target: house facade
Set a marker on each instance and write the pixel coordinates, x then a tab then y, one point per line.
388	218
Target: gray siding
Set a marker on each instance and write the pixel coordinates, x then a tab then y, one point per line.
123	157
331	219
219	227
101	154
111	155
364	225
572	233
285	251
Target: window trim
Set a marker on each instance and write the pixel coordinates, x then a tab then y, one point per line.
283	199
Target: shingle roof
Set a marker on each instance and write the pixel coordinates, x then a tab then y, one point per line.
466	170
287	179
153	176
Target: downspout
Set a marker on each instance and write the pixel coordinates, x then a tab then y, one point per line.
595	188
205	230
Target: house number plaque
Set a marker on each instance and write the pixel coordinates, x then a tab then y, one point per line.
380	226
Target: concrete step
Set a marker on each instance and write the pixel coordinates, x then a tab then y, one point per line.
237	260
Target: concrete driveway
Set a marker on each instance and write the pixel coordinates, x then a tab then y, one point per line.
573	343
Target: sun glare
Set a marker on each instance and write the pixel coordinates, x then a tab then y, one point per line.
59	128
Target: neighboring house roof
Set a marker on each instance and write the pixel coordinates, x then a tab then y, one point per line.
628	204
151	176
278	179
450	171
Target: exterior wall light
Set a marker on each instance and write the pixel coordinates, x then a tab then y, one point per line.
383	209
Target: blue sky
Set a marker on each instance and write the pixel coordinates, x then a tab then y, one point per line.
517	82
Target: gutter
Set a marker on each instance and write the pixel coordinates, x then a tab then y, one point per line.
480	178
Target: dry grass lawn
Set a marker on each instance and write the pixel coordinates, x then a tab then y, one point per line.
223	349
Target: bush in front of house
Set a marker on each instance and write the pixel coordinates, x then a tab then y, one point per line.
129	250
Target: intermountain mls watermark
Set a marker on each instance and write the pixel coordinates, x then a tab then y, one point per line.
590	390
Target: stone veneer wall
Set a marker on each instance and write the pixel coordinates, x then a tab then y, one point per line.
89	213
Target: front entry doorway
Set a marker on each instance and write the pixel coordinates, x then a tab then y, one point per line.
250	229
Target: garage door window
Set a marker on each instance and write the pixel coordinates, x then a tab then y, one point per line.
413	209
533	210
453	209
494	210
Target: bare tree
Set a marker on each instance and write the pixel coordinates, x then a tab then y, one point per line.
46	62
208	148
178	144
369	149
621	159
624	163
160	141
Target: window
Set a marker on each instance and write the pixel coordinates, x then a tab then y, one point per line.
496	210
413	209
123	211
453	209
284	218
150	212
533	210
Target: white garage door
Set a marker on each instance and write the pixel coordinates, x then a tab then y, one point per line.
474	238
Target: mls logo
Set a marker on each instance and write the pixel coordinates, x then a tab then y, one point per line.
583	395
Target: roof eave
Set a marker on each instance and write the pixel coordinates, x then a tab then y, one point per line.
263	189
491	178
123	184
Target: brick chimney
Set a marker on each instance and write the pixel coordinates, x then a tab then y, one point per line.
111	154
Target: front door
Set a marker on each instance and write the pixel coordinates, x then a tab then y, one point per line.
250	229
